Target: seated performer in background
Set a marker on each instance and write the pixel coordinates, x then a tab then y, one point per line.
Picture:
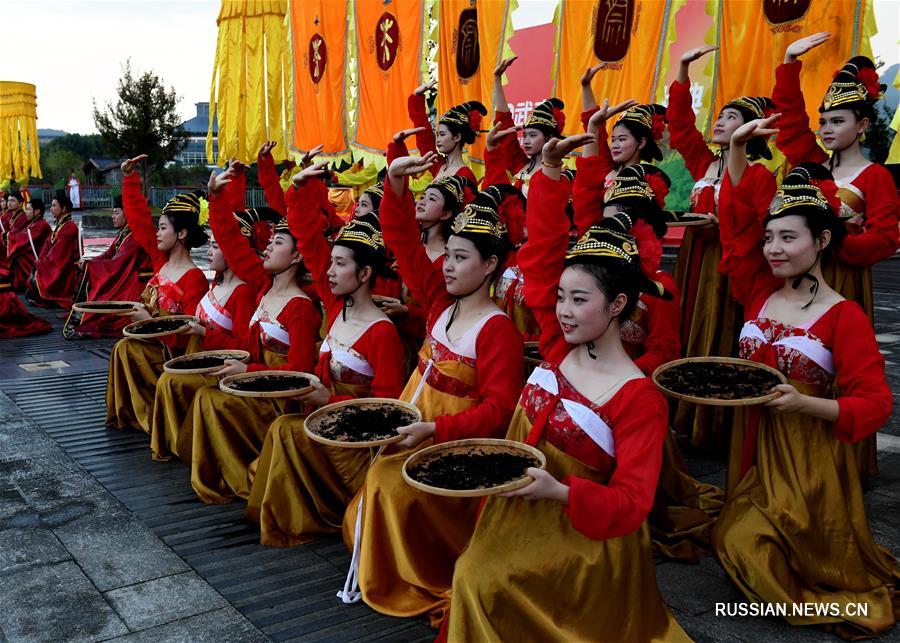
119	274
53	280
24	245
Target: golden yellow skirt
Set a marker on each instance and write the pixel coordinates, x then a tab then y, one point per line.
684	509
301	488
410	540
172	422
855	283
228	434
134	369
794	529
529	575
711	323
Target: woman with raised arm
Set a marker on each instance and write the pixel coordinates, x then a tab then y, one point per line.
175	289
301	489
228	430
869	204
569	555
224	314
467	379
507	157
457	127
794	528
711	318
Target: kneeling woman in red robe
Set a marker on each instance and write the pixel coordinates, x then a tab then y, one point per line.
574	563
55	275
468	377
228	431
135	365
301	489
119	274
794	528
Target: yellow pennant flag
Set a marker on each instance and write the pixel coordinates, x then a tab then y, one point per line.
473	37
389	39
250	93
629	37
319	39
752	38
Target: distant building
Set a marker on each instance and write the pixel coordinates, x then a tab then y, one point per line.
102	171
196	128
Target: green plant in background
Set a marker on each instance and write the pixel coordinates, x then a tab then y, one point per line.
679	199
878	138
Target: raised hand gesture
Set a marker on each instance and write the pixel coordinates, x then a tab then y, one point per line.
218	181
589	74
424	87
412	165
311	154
404	134
555	150
128	165
313	171
754	129
800	47
696	53
492	141
500	69
266	149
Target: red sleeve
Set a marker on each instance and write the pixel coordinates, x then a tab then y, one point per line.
305	221
499	366
663	343
331	220
586	117
880	237
683	133
302	320
607	164
541	260
39	234
864	398
241	304
109	253
415	104
194	285
137	213
467	173
239	255
618	508
742	208
495	169
57	260
17	240
588	191
515	157
795	139
397	216
381	347
237	192
396	150
268	180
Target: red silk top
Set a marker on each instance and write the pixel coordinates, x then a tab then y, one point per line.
56	270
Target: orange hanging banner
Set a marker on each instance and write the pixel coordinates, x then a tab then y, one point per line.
472	35
629	37
760	31
389	39
319	40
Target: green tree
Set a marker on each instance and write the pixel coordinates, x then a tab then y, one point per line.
82	145
679	198
58	165
144	120
878	138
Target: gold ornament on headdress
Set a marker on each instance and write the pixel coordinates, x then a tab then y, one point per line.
840	93
792	196
754	104
542	114
640	114
478	219
451	184
363	233
628	186
600	242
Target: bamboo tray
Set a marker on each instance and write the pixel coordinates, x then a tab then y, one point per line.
381	300
315	420
226	382
465	446
172	365
689	223
128	331
107	307
715	401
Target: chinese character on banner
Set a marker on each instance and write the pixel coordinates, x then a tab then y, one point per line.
521	111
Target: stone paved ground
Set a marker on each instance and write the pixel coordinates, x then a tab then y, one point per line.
76	564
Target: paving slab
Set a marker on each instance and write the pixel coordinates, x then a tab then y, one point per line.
224	625
29	547
55	603
157	602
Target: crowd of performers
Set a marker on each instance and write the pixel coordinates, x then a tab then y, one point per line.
539	253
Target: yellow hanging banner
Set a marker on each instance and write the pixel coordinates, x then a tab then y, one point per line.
630	38
389	40
251	85
319	39
473	37
20	154
752	38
